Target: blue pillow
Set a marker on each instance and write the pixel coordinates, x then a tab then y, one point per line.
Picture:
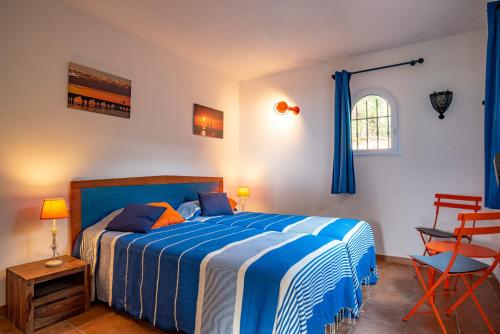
189	210
137	218
214	204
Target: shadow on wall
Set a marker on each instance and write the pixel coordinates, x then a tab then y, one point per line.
27	223
356	207
378	235
27	219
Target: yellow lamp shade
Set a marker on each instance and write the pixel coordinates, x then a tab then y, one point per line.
243	192
54	208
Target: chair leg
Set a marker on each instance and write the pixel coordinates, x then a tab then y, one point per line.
454	288
429	295
431	273
436	313
428	291
466	294
424	242
487	273
479	307
451	285
447	284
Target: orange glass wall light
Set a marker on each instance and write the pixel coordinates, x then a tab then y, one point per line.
283	108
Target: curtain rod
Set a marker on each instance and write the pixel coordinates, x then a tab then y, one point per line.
411	63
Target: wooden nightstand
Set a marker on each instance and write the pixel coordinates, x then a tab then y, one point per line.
38	296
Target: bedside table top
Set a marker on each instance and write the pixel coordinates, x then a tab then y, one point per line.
37	270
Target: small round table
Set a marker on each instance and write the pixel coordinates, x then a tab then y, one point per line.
469	250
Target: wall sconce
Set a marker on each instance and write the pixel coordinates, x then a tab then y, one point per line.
441	101
283	108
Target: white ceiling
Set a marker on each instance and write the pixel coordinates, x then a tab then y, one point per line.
250	38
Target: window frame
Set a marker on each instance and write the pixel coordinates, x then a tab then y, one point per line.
395	145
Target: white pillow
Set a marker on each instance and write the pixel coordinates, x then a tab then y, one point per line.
189	210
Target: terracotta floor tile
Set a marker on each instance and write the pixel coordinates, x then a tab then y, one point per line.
495	287
343	329
485	289
394	299
469	318
474	329
427	323
396	270
96	311
115	323
489	303
365	326
380	264
59	328
6	327
383	312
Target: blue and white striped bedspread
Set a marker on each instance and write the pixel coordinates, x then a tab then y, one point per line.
356	234
211	278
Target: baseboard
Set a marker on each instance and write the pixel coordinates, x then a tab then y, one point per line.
394	259
3	309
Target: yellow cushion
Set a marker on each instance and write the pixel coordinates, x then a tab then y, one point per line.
169	216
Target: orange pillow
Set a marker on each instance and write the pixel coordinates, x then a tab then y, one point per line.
169	216
233	203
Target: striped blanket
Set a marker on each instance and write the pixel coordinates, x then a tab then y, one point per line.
356	234
213	278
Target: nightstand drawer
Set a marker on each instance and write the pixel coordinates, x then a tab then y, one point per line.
61	294
55	311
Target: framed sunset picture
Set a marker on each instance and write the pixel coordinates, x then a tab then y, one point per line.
208	122
97	91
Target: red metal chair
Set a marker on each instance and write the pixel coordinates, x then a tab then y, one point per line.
470	203
455	264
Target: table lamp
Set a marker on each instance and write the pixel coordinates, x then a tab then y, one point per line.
54	208
243	192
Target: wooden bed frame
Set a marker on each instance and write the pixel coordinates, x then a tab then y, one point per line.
75	216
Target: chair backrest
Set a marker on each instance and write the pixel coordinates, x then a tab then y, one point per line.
464	231
463	202
477	217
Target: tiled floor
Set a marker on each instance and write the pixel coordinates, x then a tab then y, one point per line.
385	305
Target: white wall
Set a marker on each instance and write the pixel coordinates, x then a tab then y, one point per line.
287	161
44	145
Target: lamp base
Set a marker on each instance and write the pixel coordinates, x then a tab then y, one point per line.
53	263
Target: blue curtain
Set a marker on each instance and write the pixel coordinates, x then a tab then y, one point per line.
343	181
492	106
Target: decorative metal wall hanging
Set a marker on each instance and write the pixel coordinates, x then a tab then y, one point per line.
441	101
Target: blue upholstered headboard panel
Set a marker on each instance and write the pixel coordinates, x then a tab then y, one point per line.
98	202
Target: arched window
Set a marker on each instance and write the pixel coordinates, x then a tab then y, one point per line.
374	124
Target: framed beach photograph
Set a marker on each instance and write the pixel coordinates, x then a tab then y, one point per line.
208	122
97	91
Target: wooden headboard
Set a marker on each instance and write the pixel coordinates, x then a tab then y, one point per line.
106	195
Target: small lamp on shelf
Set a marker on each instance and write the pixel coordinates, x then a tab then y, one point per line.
54	208
243	193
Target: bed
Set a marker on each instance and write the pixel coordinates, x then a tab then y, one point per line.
356	234
201	277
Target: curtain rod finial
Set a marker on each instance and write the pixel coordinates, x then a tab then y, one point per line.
414	62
